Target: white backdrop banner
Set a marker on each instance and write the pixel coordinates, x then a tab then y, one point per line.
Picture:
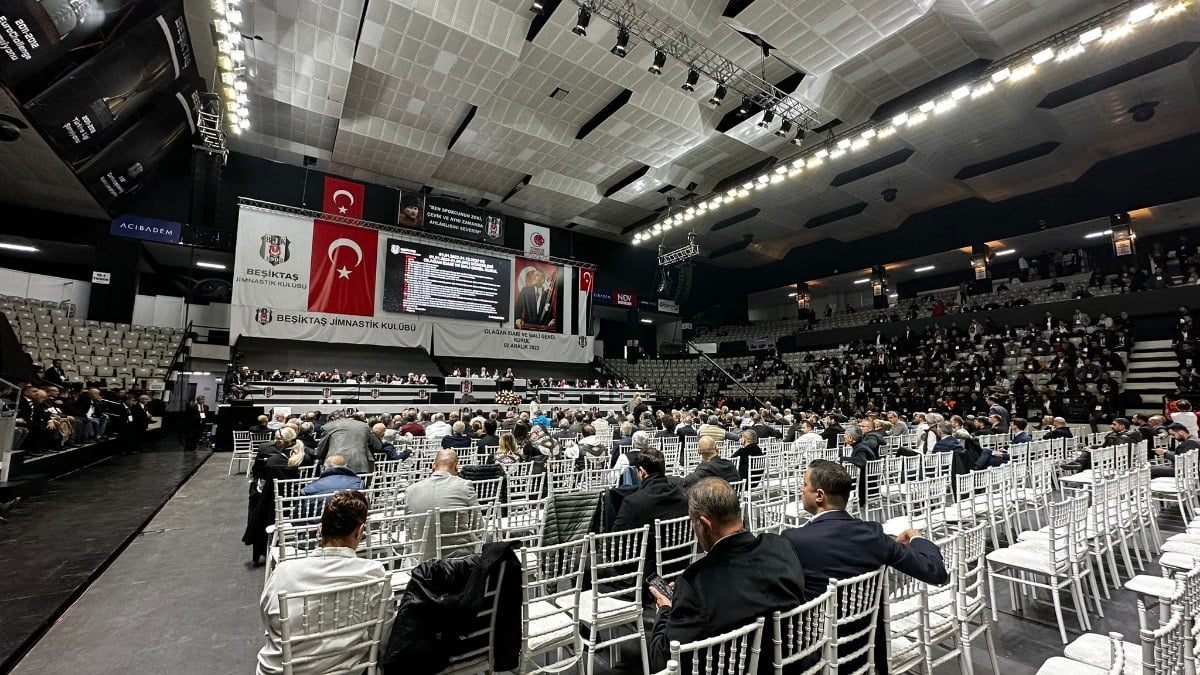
388	331
468	341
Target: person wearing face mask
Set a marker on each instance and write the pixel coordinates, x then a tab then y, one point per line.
742	577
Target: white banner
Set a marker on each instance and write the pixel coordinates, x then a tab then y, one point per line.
273	260
537	241
668	306
389	331
469	341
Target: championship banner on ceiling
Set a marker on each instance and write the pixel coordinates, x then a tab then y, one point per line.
310	278
95	103
38	34
470	341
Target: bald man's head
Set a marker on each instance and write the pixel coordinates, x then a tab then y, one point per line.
707	447
446	460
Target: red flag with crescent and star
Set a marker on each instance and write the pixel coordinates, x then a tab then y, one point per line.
343	198
342	277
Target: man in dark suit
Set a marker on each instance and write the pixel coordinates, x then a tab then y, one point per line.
55	373
195	421
711	465
534	303
832	433
765	430
749	441
836	545
742	577
655	498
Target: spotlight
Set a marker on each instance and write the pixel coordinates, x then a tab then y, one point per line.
622	46
1143	111
581	25
660	60
692	78
744	108
889	195
537	7
799	139
718	95
767	118
785	128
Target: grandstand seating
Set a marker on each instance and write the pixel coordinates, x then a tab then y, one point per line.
119	354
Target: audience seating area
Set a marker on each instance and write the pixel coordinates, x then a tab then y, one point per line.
1067	540
120	354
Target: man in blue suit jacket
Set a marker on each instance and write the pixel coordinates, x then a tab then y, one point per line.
836	545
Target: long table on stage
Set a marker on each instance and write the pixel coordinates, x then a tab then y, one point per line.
449	395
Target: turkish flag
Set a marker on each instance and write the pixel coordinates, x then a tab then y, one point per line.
343	198
586	277
342	277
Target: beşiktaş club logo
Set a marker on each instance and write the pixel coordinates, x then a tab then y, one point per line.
374	393
326	392
275	249
268	391
583	341
264	315
493	226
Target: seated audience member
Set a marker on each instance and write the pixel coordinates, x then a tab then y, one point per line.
655	498
835	545
742	577
712	429
1121	434
276	459
335	477
749	441
351	438
507	451
832	433
1184	415
277	422
860	453
489	439
33	416
438	427
443	489
261	427
990	457
808	436
590	447
1058	430
458	438
343	525
387	442
1184	442
411	426
711	465
946	440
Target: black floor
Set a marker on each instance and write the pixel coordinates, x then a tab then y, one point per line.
55	543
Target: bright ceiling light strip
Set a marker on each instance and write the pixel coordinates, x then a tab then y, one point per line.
862	281
19	247
210	266
1120	23
1009	251
232	62
924	269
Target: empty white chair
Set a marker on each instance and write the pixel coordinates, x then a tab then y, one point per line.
1059	665
674	546
551	582
614	600
243	449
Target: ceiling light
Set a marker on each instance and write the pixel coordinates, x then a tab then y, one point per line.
18	247
219	7
718	95
1001	75
221	25
1069	53
926	106
944	105
234	16
240	85
1097	235
923	269
243	99
581	24
233	119
228	78
210	266
764	178
859	144
814	162
1023	72
647	321
244	124
916	119
844	143
983	90
792	294
744	108
799	139
900	120
960	93
234	37
868	134
1007	251
622	47
1091	35
1142	13
894	295
862	281
782	168
821	154
767	119
690	84
660	60
887	131
237	55
537	7
1043	56
785	128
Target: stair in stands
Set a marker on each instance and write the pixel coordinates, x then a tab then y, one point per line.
1151	373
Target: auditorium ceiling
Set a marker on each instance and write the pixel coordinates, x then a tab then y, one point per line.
452	95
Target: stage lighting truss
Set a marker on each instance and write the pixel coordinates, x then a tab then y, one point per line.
231	60
208	124
691	250
1107	27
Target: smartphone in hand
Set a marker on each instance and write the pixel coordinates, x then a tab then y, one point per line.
659	584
